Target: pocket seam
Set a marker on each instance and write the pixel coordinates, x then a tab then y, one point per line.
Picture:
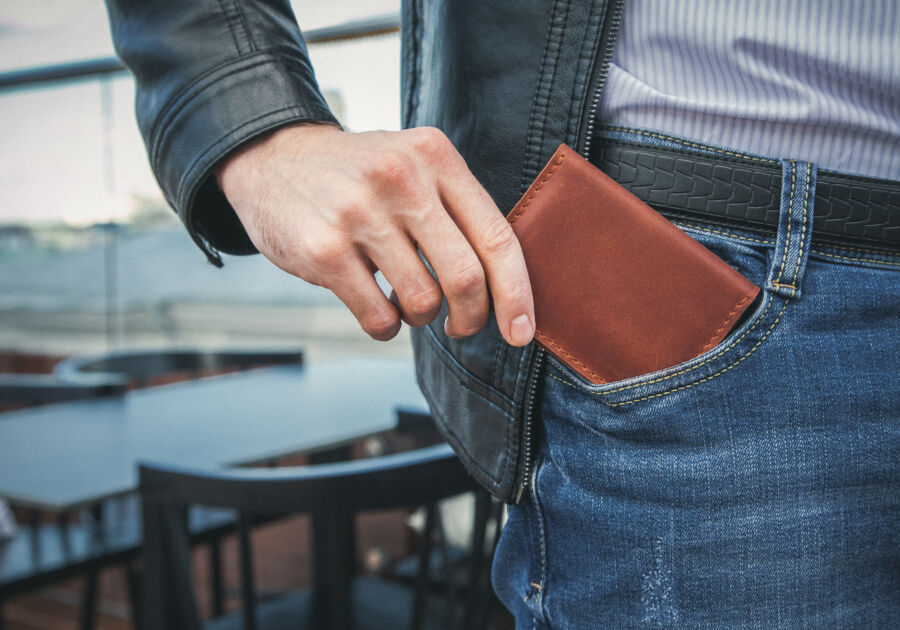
848	258
688	385
715	356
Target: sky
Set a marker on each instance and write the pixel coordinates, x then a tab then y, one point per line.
59	159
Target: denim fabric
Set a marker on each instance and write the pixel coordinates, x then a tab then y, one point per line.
755	486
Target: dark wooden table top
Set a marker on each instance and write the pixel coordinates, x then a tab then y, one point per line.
68	455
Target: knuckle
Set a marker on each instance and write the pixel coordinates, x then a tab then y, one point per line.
353	210
329	252
498	236
380	323
396	169
517	293
433	141
424	302
468	278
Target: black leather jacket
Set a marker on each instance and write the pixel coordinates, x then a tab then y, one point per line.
507	82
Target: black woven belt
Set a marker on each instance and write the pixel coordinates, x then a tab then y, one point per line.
848	210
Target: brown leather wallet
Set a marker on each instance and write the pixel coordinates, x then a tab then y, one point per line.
619	291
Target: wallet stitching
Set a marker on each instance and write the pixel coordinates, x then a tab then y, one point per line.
709	344
696	145
787	240
547	339
518	213
689	385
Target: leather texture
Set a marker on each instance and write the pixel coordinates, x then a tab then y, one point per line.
618	290
738	191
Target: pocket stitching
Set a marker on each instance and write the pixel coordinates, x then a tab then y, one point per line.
688	385
691	226
875	252
868	260
694	367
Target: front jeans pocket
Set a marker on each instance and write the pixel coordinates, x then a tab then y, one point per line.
749	255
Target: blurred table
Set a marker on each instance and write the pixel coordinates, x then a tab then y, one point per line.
68	455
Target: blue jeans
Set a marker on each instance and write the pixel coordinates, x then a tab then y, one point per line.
755	486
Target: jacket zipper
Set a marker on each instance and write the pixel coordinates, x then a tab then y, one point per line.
586	133
601	70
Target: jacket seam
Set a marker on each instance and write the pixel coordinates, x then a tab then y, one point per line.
540	103
245	26
228	22
412	92
447	356
506	468
457	442
176	100
180	100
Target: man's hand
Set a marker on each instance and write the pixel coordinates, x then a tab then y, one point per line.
333	207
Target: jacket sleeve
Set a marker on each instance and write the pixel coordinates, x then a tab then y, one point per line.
212	75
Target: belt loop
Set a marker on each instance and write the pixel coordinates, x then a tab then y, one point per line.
795	225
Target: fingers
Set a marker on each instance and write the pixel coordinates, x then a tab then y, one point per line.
354	284
415	292
458	269
497	248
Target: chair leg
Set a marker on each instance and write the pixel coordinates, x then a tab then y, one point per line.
132	582
482	512
423	578
89	600
248	593
447	563
216	583
333	566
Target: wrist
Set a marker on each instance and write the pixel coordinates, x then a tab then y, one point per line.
244	160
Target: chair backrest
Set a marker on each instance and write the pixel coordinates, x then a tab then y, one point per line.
402	480
23	390
138	367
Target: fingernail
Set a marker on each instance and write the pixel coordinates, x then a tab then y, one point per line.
447	332
521	331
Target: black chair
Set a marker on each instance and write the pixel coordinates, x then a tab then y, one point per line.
139	368
42	553
331	493
145	367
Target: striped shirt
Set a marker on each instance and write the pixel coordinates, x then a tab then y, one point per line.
815	80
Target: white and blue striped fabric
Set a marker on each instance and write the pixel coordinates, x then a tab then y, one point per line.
815	80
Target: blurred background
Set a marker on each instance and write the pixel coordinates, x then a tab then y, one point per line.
94	262
91	256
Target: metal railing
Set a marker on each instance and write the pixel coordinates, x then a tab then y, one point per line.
94	68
